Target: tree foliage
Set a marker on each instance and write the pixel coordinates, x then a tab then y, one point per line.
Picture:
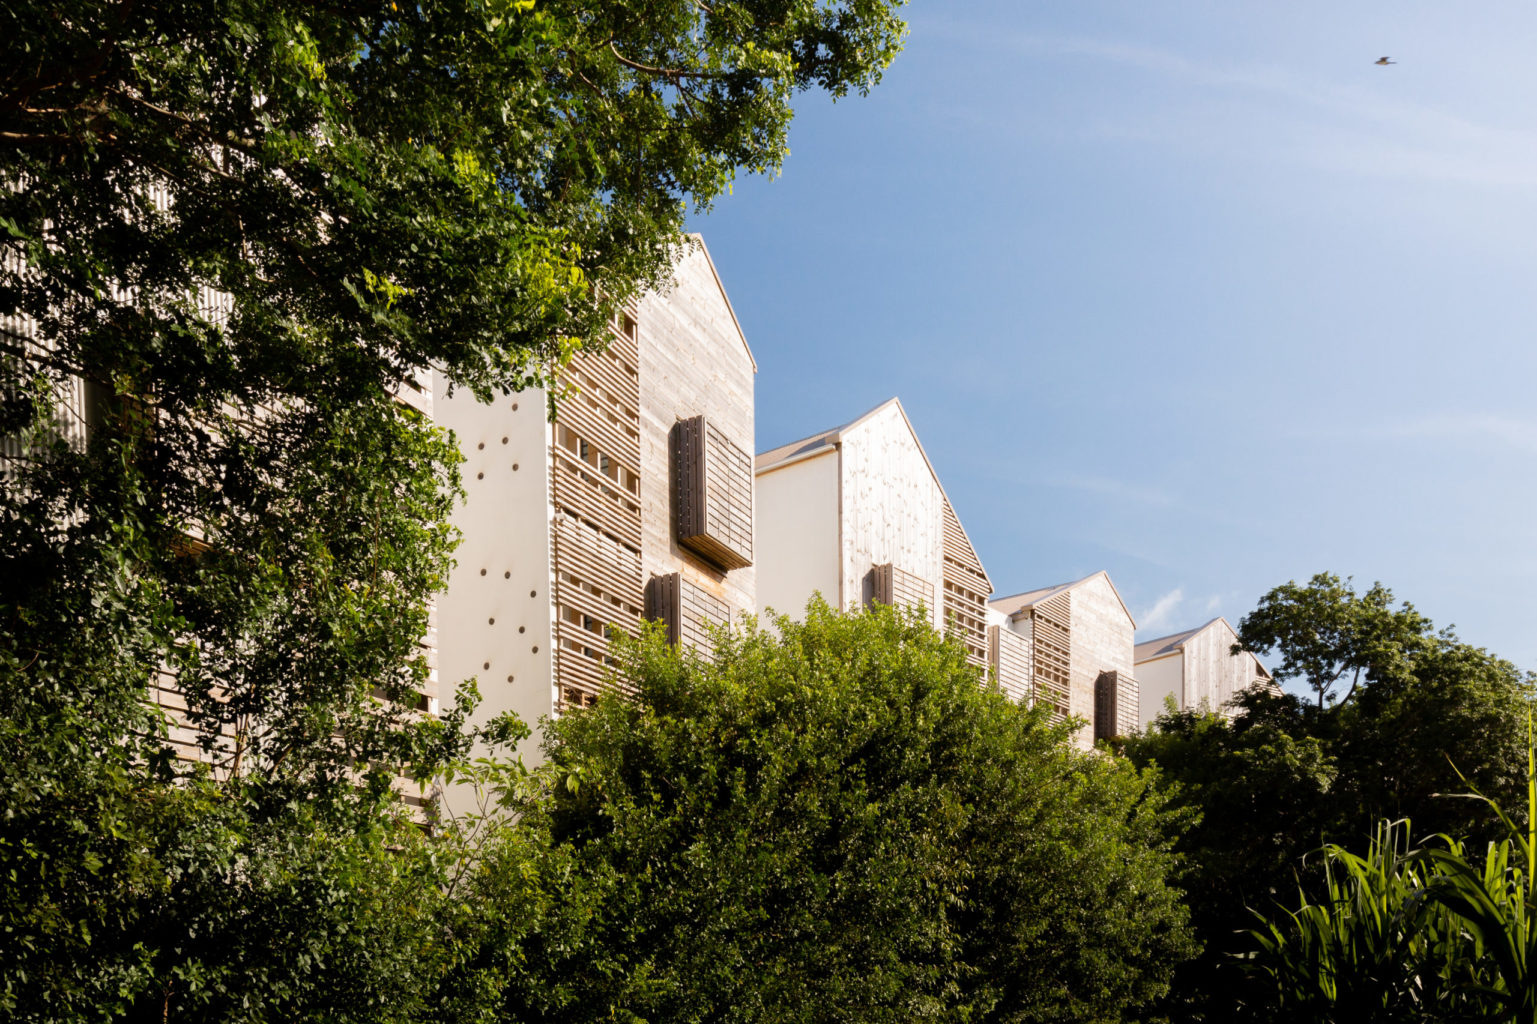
1409	933
833	821
231	233
1424	718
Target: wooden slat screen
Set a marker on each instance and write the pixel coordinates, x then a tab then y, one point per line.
594	484
966	587
712	500
1012	664
1052	639
901	589
687	610
1116	699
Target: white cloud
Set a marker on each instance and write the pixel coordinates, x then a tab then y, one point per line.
1265	111
1506	430
1161	615
1121	490
1450	427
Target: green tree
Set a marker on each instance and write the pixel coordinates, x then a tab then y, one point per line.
833	821
1424	717
1327	636
231	233
1258	788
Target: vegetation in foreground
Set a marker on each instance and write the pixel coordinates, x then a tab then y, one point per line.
1402	719
832	821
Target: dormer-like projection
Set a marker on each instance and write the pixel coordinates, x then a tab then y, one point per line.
687	611
899	588
712	494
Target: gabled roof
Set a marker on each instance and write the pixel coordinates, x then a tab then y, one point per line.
1016	604
829	440
698	239
1166	645
1150	649
825	440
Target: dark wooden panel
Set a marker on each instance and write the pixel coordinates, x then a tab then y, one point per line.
712	494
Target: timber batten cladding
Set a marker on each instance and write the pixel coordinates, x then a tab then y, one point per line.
1010	656
712	496
594	479
895	586
966	587
1116	702
1052	640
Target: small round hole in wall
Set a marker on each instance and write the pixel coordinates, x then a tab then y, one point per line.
521	629
482	572
509	679
480	445
480	476
506	575
514	467
533	593
504	440
514	406
486	665
536	649
490	622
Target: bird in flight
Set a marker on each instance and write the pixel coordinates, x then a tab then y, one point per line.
1384	60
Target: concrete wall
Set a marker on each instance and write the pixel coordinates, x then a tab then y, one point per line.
1160	678
1101	642
494	619
892	508
693	361
797	534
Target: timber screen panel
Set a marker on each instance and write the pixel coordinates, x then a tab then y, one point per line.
901	589
1053	649
1116	700
594	474
712	501
1013	666
687	610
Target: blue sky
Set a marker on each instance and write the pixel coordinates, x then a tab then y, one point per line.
1192	291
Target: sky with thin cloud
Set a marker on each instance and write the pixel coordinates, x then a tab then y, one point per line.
1193	292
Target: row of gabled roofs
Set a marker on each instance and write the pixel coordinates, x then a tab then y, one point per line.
1013	605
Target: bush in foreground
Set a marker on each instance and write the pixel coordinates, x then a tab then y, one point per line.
833	820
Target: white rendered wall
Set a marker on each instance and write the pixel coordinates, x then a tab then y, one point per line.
494	619
1159	678
796	534
893	510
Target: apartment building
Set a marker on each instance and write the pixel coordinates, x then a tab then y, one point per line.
636	501
1197	669
1077	640
857	514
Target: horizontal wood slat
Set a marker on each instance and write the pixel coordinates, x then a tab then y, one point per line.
1013	667
712	494
579	488
900	588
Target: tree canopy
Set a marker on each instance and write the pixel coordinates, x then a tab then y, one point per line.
232	235
833	821
1423	719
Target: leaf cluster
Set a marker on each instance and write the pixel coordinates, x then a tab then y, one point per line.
832	820
1424	718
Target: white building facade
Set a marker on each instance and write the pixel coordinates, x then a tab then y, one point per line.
635	501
